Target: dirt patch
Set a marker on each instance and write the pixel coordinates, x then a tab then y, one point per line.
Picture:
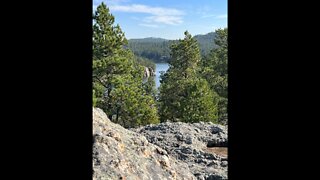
221	151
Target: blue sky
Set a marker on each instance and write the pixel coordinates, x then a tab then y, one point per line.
167	18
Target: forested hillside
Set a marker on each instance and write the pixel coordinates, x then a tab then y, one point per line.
158	49
206	42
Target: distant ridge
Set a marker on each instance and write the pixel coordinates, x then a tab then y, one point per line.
158	49
148	39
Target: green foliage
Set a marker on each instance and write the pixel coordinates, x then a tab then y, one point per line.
107	38
117	76
214	68
206	42
187	100
185	57
184	95
131	105
150	87
149	84
145	62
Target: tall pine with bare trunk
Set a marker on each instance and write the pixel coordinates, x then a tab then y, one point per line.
117	78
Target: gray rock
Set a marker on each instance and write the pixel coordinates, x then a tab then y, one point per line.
215	130
215	177
188	140
190	143
179	137
119	153
224	163
186	150
212	143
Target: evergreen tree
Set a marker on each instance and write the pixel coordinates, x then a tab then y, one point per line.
117	78
107	38
184	95
150	87
215	70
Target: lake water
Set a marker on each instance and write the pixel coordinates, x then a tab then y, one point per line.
160	67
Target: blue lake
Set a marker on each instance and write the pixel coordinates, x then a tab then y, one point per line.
160	67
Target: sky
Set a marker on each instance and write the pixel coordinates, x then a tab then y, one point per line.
167	19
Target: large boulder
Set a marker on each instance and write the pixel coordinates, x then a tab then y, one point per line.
119	153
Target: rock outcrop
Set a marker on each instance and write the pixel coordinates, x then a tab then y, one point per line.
152	72
203	146
119	153
148	71
159	152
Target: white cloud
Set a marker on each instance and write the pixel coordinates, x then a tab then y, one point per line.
146	9
149	25
171	20
159	14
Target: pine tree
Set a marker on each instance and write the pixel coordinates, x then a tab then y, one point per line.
215	70
184	95
117	78
107	38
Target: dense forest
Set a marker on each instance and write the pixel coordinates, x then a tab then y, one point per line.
158	49
193	89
